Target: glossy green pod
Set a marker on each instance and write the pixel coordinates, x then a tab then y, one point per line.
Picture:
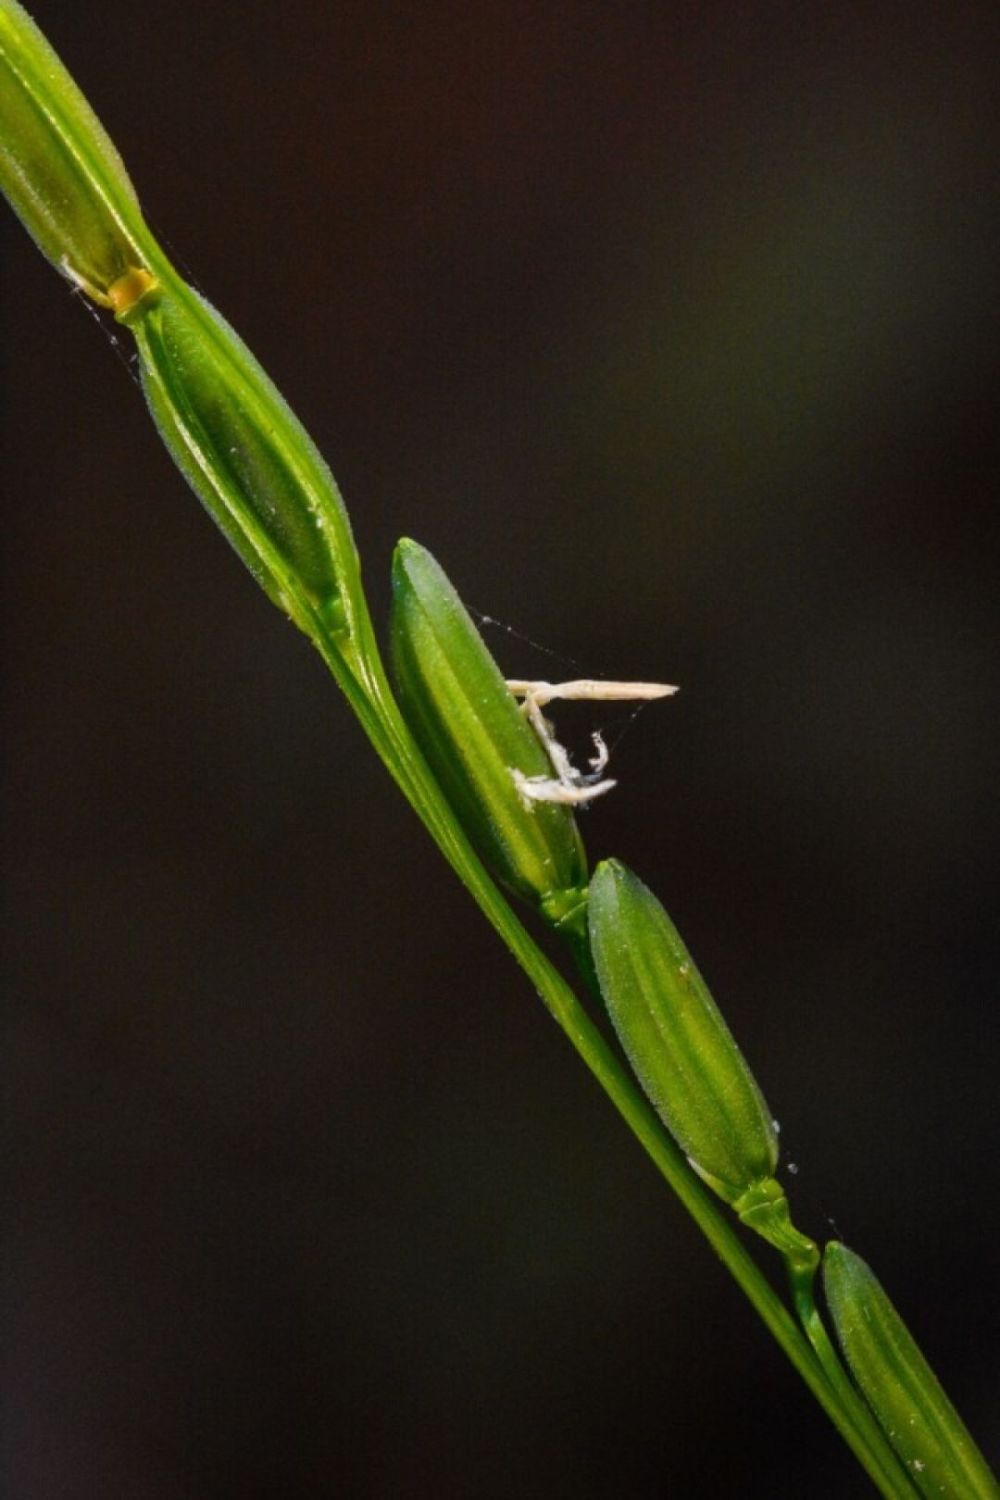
680	1048
899	1385
245	455
60	171
473	734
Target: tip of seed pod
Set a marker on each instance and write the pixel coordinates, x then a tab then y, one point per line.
608	886
406	551
838	1259
842	1268
415	567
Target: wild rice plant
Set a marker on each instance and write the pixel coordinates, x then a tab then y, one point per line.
493	787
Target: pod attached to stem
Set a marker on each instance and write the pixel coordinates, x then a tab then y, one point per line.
475	739
247	457
686	1059
900	1386
672	1032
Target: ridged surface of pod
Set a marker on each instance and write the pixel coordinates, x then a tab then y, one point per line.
244	452
673	1034
60	171
473	735
899	1385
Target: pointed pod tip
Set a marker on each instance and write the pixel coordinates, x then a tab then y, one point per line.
407	557
844	1271
403	549
602	887
609	880
412	562
838	1258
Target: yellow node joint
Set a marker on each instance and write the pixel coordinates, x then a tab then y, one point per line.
135	291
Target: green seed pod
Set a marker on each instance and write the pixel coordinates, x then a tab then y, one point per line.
679	1046
473	735
245	455
60	171
899	1385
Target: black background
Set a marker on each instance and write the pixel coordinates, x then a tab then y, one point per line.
670	328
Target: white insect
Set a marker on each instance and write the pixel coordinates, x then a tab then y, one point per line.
569	785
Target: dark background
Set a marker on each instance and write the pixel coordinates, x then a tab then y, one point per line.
670	328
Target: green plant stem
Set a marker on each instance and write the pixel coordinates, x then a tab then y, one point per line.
373	700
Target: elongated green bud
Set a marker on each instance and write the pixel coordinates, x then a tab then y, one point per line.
899	1385
60	171
245	454
474	736
677	1042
